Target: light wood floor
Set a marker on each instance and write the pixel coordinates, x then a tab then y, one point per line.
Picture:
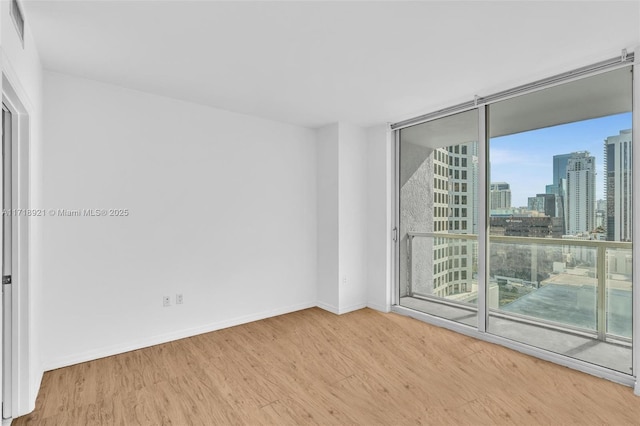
313	367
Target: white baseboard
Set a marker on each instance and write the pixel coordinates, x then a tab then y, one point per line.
168	337
327	307
377	307
340	311
352	308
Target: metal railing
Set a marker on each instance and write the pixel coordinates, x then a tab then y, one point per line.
601	276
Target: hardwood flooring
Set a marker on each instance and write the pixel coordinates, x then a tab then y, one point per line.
313	367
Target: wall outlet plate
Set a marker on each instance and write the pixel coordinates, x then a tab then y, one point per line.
179	299
166	301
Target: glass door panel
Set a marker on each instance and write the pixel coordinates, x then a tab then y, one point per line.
438	174
560	219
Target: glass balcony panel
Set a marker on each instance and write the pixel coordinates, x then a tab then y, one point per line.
560	310
619	296
442	278
532	281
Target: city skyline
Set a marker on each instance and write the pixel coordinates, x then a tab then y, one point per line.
525	160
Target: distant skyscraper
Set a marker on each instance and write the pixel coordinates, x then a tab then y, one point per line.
617	171
581	193
536	203
548	204
500	196
559	171
601	213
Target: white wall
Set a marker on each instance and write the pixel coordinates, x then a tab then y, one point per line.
328	283
379	217
342	205
222	210
22	69
352	217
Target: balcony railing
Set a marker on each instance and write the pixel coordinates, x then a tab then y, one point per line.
579	286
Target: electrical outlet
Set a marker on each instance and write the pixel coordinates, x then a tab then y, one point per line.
166	301
179	299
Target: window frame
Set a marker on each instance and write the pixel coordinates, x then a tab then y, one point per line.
481	105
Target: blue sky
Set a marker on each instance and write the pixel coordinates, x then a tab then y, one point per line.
525	160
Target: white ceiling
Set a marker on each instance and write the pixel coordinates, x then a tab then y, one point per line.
313	63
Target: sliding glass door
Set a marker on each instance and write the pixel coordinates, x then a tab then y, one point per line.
515	217
439	217
560	219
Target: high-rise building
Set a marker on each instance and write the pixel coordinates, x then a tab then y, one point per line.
499	196
617	171
581	193
560	163
463	188
442	266
461	255
454	171
559	172
548	204
601	212
439	286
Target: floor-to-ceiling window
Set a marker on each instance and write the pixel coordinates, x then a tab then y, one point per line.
439	217
515	217
560	247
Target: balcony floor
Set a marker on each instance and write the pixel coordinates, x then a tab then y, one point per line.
610	355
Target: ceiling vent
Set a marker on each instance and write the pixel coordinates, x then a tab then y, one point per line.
18	19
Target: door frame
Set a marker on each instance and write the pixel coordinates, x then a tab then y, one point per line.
17	102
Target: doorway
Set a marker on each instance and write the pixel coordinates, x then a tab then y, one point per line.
16	360
7	259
